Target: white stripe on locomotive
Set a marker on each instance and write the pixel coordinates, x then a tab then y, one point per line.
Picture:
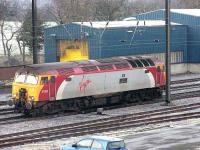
105	83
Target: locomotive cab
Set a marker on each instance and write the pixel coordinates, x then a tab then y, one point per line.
30	90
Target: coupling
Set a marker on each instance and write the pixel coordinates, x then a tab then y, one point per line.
28	105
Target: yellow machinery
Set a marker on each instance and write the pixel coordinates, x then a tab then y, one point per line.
72	50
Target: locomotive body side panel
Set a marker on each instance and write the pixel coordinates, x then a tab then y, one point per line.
81	85
128	80
105	83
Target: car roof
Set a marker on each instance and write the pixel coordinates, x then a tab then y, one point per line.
104	138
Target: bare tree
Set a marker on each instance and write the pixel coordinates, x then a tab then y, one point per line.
109	9
187	4
21	44
85	10
67	11
8	32
8	28
3	9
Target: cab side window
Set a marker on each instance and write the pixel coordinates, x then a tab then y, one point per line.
96	145
53	79
44	80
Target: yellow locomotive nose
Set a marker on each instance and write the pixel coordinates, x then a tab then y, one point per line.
24	89
22	96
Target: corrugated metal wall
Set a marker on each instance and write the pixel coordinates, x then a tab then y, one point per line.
53	35
193	33
116	41
147	40
176	57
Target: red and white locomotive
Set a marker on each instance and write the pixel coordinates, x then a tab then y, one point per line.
51	87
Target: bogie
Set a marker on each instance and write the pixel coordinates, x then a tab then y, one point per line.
86	103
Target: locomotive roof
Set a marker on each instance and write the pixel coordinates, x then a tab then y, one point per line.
56	65
38	68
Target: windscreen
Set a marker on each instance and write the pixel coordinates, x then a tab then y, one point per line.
26	78
20	78
116	145
31	79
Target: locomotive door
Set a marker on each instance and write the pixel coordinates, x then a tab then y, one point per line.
159	75
52	88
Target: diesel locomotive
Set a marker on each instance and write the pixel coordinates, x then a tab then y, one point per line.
52	87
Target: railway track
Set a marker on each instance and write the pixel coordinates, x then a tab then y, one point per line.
184	87
2	103
102	125
6	111
185	81
22	118
175	113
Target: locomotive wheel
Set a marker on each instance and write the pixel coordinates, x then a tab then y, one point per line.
89	102
128	97
36	113
135	97
159	93
142	95
146	94
26	112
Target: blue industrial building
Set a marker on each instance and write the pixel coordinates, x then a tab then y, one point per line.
187	17
116	38
132	37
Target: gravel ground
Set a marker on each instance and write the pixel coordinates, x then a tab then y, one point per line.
177	136
183	84
36	124
5	95
185	90
185	76
135	138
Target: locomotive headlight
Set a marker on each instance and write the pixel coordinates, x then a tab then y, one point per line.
14	95
31	98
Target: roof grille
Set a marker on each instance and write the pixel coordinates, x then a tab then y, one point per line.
106	67
89	68
122	66
109	60
65	71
